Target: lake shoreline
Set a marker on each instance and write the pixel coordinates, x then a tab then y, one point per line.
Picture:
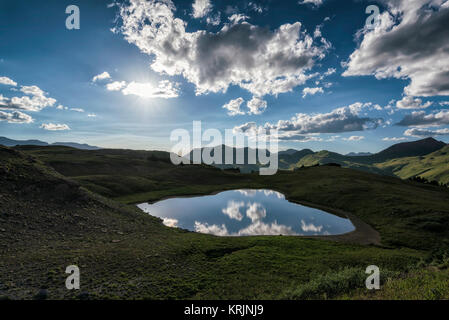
363	233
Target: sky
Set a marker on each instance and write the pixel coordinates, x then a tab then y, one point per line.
327	74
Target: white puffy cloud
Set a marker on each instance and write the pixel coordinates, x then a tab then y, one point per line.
411	41
7	81
211	229
255	58
15	117
92	115
116	85
345	119
394	139
102	76
266	229
311	91
256	106
416	132
54	127
233	210
233	107
315	3
310	227
201	8
412	103
169	222
305	128
34	100
354	138
164	89
256	212
421	119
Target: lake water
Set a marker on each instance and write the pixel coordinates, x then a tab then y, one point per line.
246	213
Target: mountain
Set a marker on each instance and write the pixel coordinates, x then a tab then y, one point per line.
425	158
11	143
374	163
434	166
410	149
286	160
75	145
359	154
288	152
245	166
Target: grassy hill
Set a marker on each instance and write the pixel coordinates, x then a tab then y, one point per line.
404	160
49	220
434	166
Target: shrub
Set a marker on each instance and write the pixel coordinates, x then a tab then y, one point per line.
334	284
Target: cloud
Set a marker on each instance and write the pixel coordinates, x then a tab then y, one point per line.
214	20
394	139
76	109
345	119
237	18
7	81
116	85
172	223
102	76
411	41
266	229
15	117
354	138
201	8
54	127
306	128
415	132
165	89
211	229
256	212
257	59
310	227
311	91
36	102
233	107
410	103
233	210
256	106
315	3
92	115
421	119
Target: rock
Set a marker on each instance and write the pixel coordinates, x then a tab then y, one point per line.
115	241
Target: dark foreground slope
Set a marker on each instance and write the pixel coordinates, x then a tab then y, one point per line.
48	222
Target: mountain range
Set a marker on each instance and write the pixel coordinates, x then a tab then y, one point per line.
11	143
427	158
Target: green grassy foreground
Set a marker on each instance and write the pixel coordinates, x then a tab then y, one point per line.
48	222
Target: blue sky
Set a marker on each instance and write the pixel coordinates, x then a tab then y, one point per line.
341	87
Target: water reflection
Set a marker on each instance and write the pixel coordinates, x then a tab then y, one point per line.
246	213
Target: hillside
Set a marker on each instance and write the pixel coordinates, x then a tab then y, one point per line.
385	162
48	221
434	166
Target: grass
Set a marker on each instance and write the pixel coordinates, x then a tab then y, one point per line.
49	222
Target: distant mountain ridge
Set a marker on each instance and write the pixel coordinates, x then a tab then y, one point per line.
11	143
358	154
385	162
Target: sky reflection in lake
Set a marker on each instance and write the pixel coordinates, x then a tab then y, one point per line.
246	213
